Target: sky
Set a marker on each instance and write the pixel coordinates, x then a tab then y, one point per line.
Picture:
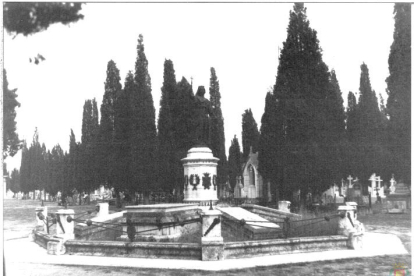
240	41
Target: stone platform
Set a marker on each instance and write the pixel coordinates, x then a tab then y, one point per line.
34	254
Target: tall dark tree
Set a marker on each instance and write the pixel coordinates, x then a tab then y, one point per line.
15	181
351	119
37	166
122	172
217	140
250	133
56	169
73	164
11	142
351	167
106	128
183	125
88	150
143	125
235	162
399	92
271	137
303	92
369	139
25	168
167	161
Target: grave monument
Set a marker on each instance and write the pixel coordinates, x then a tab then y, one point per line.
399	200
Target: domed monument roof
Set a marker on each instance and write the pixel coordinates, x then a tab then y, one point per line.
200	153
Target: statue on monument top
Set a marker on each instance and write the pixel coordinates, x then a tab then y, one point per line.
203	113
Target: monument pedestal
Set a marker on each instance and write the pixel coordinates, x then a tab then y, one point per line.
200	176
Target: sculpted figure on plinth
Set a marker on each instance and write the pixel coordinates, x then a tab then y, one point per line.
203	113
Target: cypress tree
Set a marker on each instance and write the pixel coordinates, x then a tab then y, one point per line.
56	168
250	133
167	162
36	160
90	155
73	165
352	153
143	125
15	181
399	93
106	128
122	176
271	137
25	168
11	142
217	140
370	131
303	92
183	125
235	162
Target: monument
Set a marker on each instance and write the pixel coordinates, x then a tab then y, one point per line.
399	200
200	166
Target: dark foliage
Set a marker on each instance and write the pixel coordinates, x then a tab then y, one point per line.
30	17
399	93
11	142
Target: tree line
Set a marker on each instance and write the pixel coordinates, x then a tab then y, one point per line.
307	140
123	149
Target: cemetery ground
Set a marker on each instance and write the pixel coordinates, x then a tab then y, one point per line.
19	220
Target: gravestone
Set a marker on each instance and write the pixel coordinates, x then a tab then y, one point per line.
399	201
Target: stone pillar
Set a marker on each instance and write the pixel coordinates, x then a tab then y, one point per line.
65	229
103	209
40	222
212	245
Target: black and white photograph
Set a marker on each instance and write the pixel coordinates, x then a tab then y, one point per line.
206	138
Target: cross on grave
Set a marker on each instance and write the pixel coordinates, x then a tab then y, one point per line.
350	181
378	178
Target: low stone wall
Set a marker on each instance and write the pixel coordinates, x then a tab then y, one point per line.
270	214
190	251
245	249
42	238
